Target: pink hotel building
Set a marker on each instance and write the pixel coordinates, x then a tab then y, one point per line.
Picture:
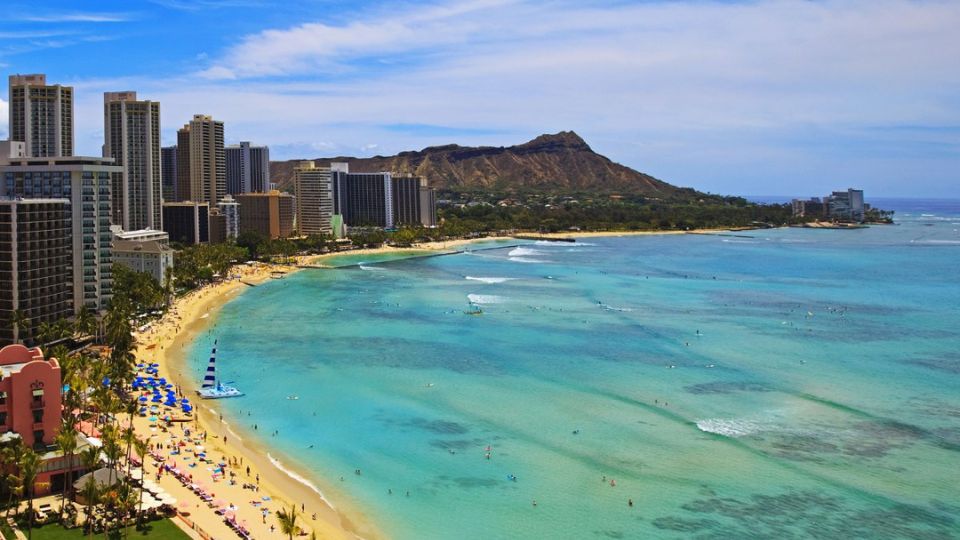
29	395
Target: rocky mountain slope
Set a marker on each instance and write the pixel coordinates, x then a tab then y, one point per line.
559	163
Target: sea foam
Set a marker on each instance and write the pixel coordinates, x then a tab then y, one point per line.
490	279
524	252
728	427
485	299
276	463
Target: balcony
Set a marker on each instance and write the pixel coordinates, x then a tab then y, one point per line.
38	404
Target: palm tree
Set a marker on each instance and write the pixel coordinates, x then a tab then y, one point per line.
141	448
19	320
90	458
67	443
29	467
168	289
11	458
288	521
85	322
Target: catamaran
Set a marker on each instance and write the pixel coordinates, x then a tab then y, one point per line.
212	388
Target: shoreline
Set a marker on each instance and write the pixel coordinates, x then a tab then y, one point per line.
169	341
281	476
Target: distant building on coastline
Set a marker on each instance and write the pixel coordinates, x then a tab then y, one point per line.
846	205
86	183
36	275
248	168
812	207
270	214
187	222
838	206
41	116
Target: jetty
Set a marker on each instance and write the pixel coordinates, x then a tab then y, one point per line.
543	238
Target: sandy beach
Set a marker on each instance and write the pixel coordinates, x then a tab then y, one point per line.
165	344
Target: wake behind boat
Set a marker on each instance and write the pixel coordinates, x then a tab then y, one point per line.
212	388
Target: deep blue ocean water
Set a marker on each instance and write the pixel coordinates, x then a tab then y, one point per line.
774	384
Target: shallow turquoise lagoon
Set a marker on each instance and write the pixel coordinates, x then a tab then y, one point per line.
775	384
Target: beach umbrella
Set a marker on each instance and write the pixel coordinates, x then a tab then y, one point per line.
154	365
153	418
143	399
106	381
185	400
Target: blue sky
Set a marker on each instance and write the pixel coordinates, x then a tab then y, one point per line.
783	97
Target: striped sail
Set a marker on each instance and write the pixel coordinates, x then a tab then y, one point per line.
210	379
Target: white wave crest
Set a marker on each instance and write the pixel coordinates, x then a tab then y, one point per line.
485	299
937	242
525	260
490	279
729	427
524	252
370	268
614	308
276	463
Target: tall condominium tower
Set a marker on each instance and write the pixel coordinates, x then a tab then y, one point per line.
201	167
230	209
168	173
363	199
248	169
36	279
85	182
314	198
131	133
41	116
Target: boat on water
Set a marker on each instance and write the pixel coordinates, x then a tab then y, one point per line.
212	388
473	310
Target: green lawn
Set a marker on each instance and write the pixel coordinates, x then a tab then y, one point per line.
157	530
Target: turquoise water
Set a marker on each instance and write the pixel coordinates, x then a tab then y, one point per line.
777	384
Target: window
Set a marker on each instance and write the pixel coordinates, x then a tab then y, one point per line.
38	437
3	398
3	418
38	416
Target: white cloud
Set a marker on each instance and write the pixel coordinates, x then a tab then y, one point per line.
695	92
53	17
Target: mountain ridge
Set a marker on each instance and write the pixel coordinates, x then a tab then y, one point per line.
559	162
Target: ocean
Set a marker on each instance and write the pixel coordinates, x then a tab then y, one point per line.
781	383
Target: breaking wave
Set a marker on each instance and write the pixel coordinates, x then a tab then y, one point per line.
485	299
490	279
729	427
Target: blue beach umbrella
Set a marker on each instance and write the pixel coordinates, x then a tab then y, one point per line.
143	399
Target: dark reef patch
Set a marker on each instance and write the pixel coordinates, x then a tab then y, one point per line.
727	387
808	514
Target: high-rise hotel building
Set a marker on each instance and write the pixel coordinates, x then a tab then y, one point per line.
248	168
168	173
85	182
131	131
313	189
381	199
41	116
201	163
36	278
